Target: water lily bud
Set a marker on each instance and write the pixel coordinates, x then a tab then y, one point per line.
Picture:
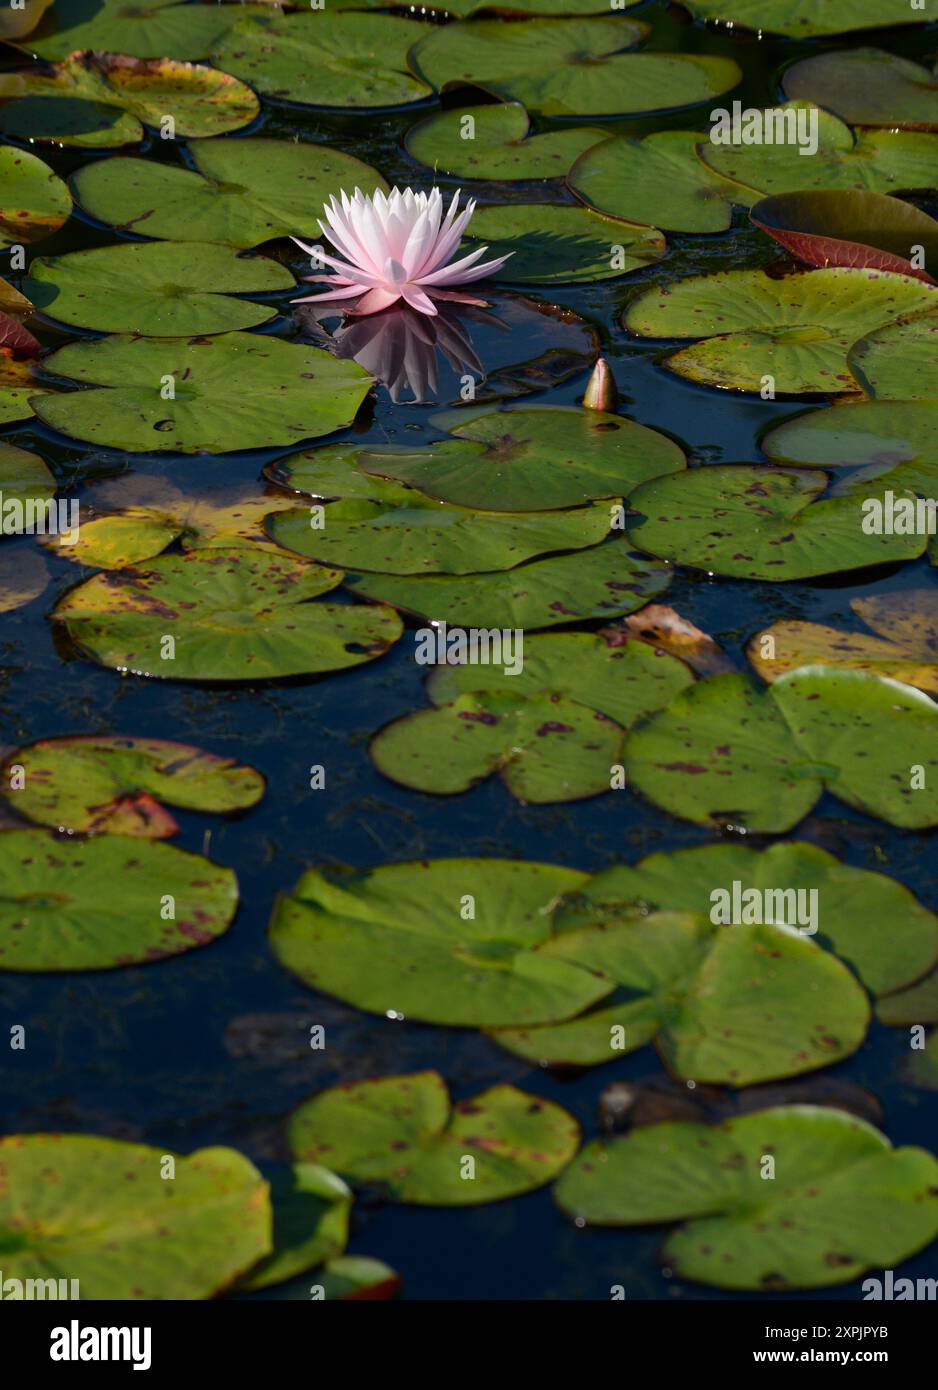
600	393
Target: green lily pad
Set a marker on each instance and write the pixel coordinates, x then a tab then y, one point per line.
92	783
569	67
530	459
165	289
400	939
905	647
758	522
878	161
15	24
231	391
842	1200
659	180
357	1277
898	361
552	731
100	100
405	1133
604	581
311	1219
17	386
550	244
159	29
59	910
325	59
233	615
796	331
127	1233
804	19
240	192
851	903
916	1005
867	86
428	537
850	227
499	145
35	201
727	1005
26	484
895	442
727	752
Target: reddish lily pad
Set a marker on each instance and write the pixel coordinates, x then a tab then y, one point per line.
852	228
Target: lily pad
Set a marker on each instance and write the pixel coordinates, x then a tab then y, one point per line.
240	192
604	581
91	784
128	1234
233	615
867	86
730	1005
325	59
659	180
35	201
164	289
550	244
160	29
842	1199
499	146
893	441
851	228
898	362
905	647
852	904
25	482
231	391
311	1209
758	522
399	939
569	67
17	387
15	24
422	536
530	459
405	1133
100	100
726	752
357	1277
552	731
795	331
916	1005
23	577
805	19
59	909
879	161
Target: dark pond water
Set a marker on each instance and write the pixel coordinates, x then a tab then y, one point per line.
212	1047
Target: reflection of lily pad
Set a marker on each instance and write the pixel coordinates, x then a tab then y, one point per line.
659	180
905	647
728	752
398	937
850	227
24	575
241	192
754	522
404	1133
35	201
550	244
533	459
59	909
324	58
894	441
497	145
231	391
159	29
803	19
233	615
92	784
552	731
795	331
165	289
99	100
840	1199
604	581
867	86
428	537
731	1005
569	67
311	1216
898	362
883	161
129	1231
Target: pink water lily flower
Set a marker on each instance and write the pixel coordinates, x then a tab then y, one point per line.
396	247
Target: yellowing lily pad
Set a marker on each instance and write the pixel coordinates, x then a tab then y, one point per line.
494	142
34	202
